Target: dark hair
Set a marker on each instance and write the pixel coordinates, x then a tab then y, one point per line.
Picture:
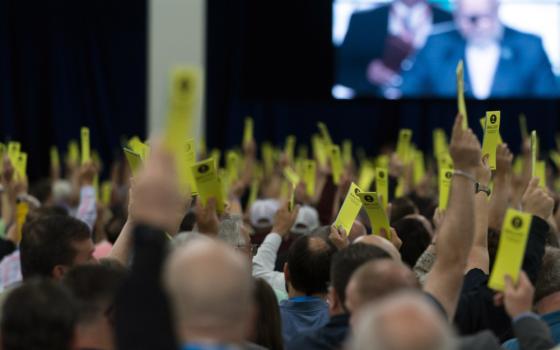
401	207
47	242
415	239
94	287
40	314
268	325
42	190
309	260
348	260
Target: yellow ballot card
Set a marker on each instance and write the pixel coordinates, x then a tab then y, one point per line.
511	249
540	172
523	126
86	150
302	151
349	210
290	147
267	155
419	168
483	126
367	175
248	131
491	134
439	142
555	156
187	159
217	155
22	208
292	200
403	145
309	175
54	157
347	151
445	176
21	165
233	162
336	163
13	152
106	192
139	147
534	153
291	176
376	213
461	105
319	150
134	160
73	152
325	133
382	185
208	183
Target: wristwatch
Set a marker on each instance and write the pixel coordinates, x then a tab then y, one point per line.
478	187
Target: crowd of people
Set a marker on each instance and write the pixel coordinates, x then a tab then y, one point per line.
154	267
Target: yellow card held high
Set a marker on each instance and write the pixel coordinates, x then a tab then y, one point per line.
404	145
376	213
86	150
208	183
309	175
349	210
248	131
382	185
336	163
445	176
491	135
511	249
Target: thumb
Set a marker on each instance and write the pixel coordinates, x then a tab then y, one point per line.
534	183
508	281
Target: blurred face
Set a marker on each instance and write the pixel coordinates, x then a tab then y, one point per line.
477	20
84	252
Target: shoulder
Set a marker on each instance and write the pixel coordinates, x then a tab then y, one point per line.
370	15
516	37
441	15
511	344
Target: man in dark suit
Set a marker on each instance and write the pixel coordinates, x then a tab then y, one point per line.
499	61
379	40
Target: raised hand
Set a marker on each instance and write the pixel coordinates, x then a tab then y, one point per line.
464	148
537	201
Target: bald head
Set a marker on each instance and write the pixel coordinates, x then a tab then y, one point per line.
393	323
377	279
381	243
210	288
358	230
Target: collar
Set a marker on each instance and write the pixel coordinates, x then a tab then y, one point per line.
304	299
551	318
401	9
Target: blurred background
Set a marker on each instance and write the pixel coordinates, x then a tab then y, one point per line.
106	64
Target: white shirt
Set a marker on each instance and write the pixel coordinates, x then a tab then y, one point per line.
414	22
263	262
482	63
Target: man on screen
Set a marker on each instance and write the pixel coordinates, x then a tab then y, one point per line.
499	61
379	40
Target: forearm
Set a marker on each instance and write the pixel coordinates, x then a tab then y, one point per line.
499	201
87	209
264	260
123	246
479	256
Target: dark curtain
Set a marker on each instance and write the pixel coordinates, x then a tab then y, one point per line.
274	60
66	64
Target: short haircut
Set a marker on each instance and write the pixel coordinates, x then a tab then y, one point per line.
548	280
309	260
47	242
348	260
415	239
94	288
40	314
268	322
401	207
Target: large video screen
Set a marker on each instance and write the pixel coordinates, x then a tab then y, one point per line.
411	48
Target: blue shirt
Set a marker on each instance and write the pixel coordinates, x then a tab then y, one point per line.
552	320
302	314
330	336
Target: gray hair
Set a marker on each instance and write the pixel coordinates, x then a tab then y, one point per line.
402	321
184	238
548	281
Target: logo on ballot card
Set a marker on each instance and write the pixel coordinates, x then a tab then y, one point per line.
203	169
517	222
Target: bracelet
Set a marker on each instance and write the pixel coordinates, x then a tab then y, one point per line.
465	175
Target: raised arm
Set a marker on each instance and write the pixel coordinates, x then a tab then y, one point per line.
499	201
455	238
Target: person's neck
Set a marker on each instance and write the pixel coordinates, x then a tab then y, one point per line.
96	335
548	304
292	293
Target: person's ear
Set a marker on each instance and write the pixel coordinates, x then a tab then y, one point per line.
333	301
286	272
59	271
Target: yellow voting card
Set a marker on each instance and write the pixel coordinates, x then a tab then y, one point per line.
267	155
555	156
440	145
208	183
325	133
292	200
54	157
73	152
376	213
233	162
382	185
534	151
291	176
134	160
404	145
13	152
491	134
21	165
248	131
483	126
366	176
185	161
319	150
349	210
309	175
86	150
289	147
419	167
511	249
445	176
461	105
336	163
22	208
106	192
